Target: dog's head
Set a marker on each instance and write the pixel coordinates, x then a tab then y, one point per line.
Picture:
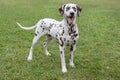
69	12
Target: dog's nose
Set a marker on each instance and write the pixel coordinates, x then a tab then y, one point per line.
72	13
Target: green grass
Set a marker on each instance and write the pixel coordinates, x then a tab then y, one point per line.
97	56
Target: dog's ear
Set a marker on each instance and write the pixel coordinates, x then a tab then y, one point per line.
61	9
79	9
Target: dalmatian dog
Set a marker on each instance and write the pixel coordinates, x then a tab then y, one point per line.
65	32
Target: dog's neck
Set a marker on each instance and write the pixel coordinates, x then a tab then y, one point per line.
69	28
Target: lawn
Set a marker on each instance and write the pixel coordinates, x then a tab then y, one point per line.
97	55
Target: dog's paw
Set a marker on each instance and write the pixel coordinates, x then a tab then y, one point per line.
72	65
29	58
47	53
64	70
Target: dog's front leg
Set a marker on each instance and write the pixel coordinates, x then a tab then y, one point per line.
64	70
72	49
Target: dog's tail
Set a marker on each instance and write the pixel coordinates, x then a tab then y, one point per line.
25	28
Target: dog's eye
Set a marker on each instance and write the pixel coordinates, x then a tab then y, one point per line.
67	8
74	9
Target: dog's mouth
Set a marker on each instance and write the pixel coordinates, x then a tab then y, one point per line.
70	19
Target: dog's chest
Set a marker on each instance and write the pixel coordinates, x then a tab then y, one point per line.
68	35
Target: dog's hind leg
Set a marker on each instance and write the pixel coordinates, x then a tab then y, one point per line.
48	39
35	40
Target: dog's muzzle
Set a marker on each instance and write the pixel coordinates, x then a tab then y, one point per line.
71	18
